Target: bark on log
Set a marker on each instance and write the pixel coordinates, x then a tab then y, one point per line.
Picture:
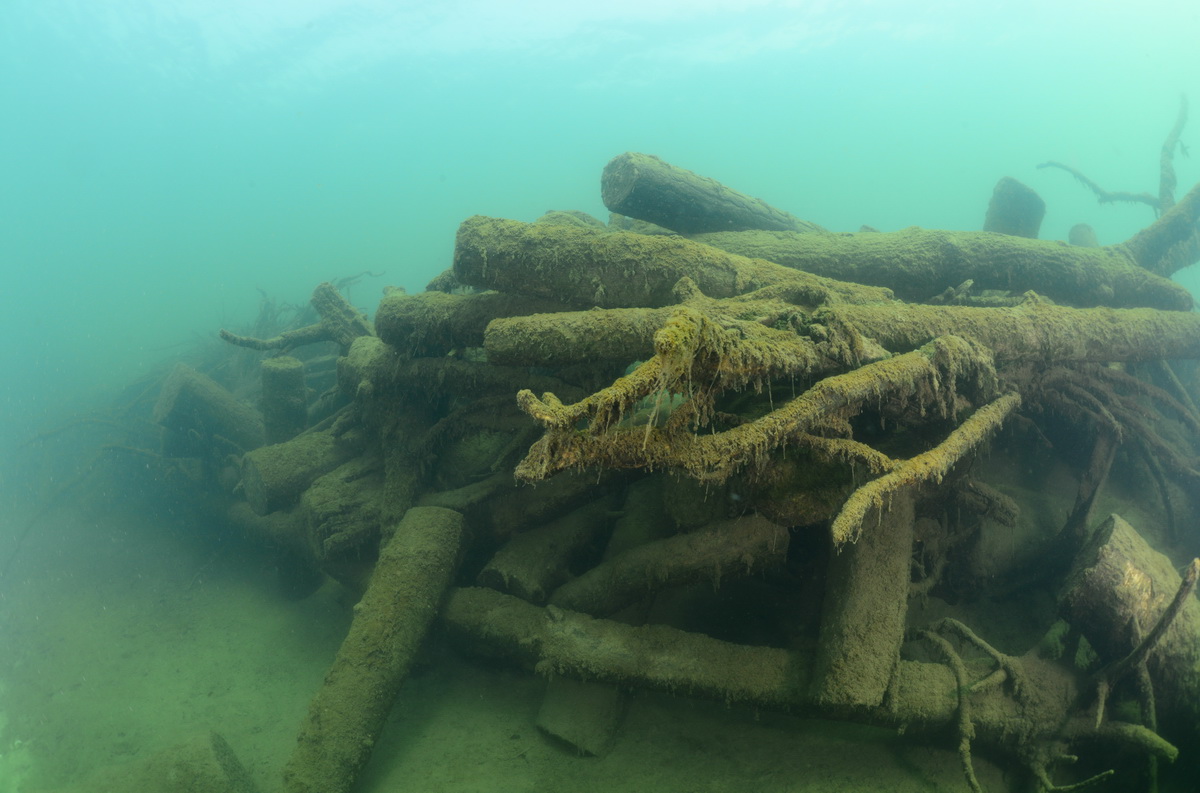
284	398
558	641
1015	209
195	412
644	187
534	563
729	550
587	267
390	622
434	323
1118	582
918	264
862	618
274	477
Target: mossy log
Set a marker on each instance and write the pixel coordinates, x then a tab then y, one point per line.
349	710
274	477
534	563
341	510
284	398
918	264
728	550
616	269
558	641
644	187
1015	209
862	615
200	417
1117	590
1031	332
434	323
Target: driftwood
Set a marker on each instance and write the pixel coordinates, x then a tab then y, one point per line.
349	710
274	477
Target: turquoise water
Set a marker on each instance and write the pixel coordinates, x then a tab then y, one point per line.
162	162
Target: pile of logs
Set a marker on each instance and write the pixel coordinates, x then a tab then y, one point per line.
699	386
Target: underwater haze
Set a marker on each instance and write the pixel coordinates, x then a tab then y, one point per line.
162	161
169	167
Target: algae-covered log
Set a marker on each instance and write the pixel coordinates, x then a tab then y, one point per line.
434	323
862	619
1033	331
274	477
614	269
284	398
918	264
559	641
1015	209
1117	591
196	413
728	550
349	710
928	375
643	186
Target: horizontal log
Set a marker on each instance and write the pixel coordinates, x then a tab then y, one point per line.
434	323
728	550
617	269
645	187
918	264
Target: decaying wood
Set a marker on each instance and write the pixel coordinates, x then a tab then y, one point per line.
340	323
644	187
199	415
348	713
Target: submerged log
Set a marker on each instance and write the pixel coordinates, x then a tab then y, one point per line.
614	269
197	414
1015	209
1117	591
390	622
918	264
274	477
644	187
284	398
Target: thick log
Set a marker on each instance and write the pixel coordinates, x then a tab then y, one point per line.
1015	209
918	264
1119	588
617	269
534	563
558	641
197	413
284	398
348	713
644	187
862	617
729	550
273	477
434	323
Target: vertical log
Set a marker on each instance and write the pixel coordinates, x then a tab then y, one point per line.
862	621
284	398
